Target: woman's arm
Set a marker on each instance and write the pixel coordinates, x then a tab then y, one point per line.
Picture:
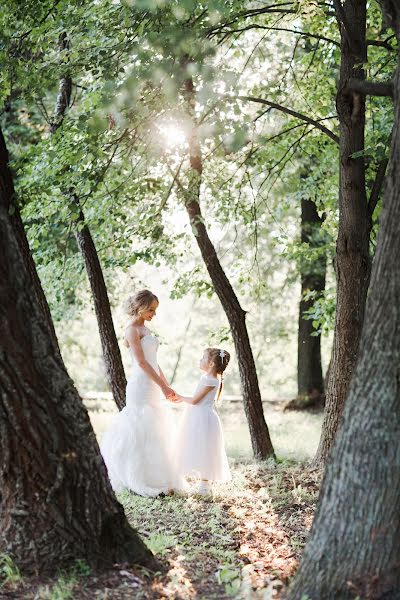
163	376
133	338
197	397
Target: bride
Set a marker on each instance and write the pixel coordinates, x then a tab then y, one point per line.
138	447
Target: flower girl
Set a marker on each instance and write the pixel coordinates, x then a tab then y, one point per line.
200	450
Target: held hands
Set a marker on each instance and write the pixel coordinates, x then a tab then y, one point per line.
174	397
169	393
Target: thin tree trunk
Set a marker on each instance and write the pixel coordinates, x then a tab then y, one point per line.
354	546
111	352
260	438
56	503
310	390
352	252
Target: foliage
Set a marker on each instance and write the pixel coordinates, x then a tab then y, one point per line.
121	149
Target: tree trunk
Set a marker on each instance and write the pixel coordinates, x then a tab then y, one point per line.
111	352
352	254
260	438
310	380
56	503
354	546
16	222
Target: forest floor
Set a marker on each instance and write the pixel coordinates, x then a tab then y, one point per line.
244	542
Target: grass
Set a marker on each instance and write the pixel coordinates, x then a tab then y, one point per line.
9	572
245	542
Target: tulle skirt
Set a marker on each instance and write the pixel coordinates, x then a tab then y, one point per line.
138	447
200	448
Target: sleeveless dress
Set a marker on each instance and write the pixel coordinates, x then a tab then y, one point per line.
138	446
200	449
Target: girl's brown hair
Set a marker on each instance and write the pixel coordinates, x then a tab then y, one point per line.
219	359
138	303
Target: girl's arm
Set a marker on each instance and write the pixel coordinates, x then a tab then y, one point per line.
197	397
134	342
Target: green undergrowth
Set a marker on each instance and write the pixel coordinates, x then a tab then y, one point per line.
244	542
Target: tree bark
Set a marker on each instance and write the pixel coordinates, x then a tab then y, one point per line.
354	546
111	352
260	438
56	503
310	389
18	227
352	252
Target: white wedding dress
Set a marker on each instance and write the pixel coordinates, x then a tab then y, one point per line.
139	445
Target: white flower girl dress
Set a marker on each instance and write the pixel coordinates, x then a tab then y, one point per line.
200	449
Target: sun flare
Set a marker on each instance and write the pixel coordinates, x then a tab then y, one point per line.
173	135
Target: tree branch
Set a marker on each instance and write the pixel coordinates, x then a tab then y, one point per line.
370	88
300	33
294	114
376	188
382	43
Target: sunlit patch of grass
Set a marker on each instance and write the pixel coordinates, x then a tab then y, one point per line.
254	529
160	542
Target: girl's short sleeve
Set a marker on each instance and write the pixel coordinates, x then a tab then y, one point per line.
210	381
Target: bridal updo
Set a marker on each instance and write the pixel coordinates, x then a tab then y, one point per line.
139	302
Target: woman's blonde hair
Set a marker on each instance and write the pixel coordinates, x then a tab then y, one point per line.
219	359
139	302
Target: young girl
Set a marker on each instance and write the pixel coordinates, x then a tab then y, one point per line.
200	443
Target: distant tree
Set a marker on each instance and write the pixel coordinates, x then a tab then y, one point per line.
310	381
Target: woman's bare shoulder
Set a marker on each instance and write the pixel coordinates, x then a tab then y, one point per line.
132	331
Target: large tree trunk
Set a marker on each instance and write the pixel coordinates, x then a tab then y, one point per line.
354	546
56	503
111	352
16	222
310	388
352	252
260	438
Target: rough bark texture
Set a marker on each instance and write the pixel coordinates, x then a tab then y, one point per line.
109	343
56	503
310	389
260	438
352	253
354	546
16	222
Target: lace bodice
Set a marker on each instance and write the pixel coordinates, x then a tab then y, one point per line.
150	346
